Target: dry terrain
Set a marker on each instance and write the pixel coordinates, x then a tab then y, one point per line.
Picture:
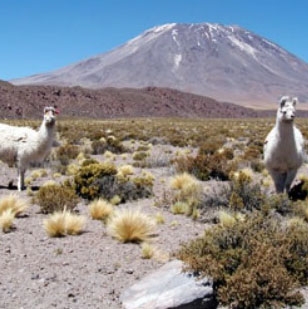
92	269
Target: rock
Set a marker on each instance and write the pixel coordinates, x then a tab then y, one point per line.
170	287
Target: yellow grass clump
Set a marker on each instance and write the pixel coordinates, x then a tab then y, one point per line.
100	209
64	223
126	170
147	250
130	225
187	188
14	203
6	220
226	219
159	218
74	223
115	200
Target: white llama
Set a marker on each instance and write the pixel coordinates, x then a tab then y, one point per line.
284	146
23	145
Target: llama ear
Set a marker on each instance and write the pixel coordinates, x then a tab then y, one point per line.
283	100
294	101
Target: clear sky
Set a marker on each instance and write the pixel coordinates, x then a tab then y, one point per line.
43	35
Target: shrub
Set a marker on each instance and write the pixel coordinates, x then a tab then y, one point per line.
100	180
130	225
205	167
109	144
140	155
55	197
244	194
86	179
254	263
67	152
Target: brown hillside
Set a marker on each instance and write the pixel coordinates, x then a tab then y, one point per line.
28	101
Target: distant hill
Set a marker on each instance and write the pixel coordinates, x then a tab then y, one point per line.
28	101
227	63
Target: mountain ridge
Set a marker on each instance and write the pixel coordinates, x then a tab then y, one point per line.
228	63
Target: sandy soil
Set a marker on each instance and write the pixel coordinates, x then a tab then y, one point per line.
85	271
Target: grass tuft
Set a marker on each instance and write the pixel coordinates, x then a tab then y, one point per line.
130	225
100	209
13	203
64	223
6	220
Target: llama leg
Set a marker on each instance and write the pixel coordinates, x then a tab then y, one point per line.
290	177
21	179
279	180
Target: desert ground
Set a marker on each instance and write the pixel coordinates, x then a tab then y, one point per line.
92	269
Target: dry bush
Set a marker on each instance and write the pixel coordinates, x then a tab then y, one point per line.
67	152
205	166
55	197
130	225
110	143
254	263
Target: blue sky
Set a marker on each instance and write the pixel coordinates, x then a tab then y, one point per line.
43	35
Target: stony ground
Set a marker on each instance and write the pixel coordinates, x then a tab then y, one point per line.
85	271
90	270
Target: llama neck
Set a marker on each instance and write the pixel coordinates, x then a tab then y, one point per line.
46	131
285	130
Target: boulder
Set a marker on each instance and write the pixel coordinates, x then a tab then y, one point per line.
170	287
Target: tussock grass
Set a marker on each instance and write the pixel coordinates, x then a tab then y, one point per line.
226	219
55	225
130	225
100	209
6	220
64	223
159	218
126	170
13	203
147	250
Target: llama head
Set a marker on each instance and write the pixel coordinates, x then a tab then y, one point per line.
287	109
50	115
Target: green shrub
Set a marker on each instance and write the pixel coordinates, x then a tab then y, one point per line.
55	197
100	180
86	178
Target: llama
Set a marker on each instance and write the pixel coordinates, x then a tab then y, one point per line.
23	145
284	146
